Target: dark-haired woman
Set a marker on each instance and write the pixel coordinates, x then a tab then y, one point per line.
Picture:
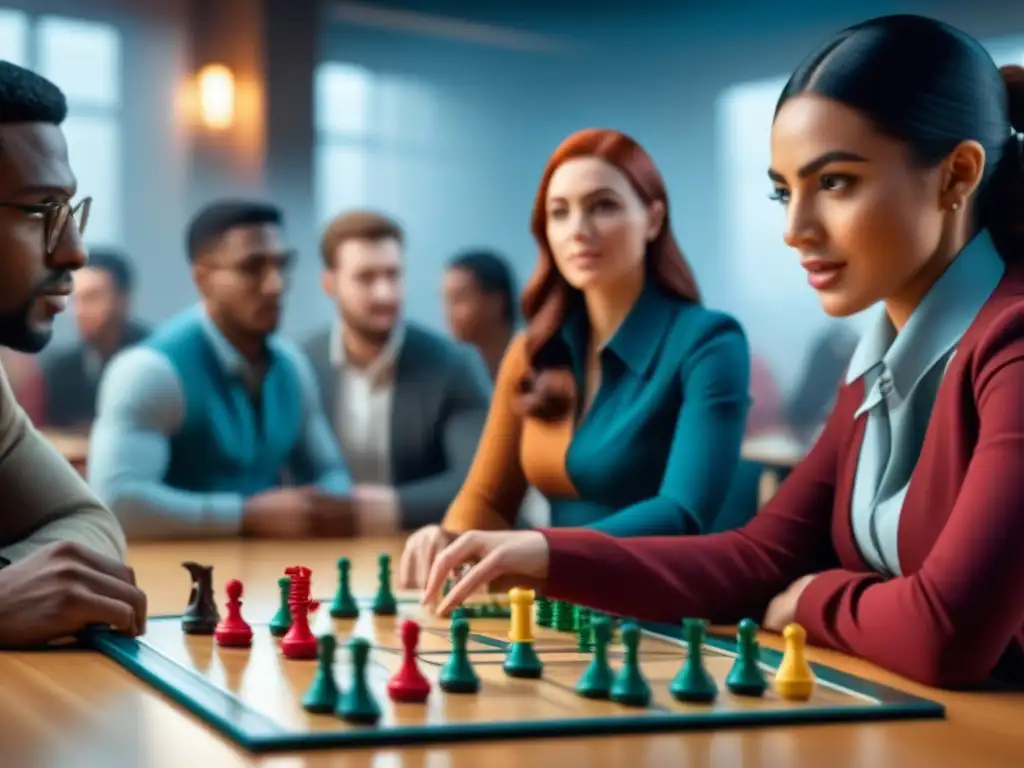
624	401
897	153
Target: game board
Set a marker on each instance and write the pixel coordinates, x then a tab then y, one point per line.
253	695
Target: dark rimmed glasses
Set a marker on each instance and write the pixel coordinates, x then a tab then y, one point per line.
55	218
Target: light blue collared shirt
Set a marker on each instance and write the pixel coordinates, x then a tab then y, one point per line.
141	406
902	373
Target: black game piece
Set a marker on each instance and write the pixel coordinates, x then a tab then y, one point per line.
201	616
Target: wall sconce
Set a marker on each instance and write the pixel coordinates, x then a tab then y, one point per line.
216	85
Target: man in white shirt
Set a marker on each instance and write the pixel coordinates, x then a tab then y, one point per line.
407	404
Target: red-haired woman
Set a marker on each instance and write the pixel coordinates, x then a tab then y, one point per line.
624	401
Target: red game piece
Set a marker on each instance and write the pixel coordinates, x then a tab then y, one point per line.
408	684
300	642
233	631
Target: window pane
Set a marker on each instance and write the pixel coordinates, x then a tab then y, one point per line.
341	177
93	144
83	58
407	111
14	37
343	95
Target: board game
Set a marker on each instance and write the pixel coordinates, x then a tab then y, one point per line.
254	694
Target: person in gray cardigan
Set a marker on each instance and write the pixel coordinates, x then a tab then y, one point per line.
407	404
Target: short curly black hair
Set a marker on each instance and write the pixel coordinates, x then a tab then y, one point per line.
26	97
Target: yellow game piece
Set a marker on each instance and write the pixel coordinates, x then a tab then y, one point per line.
794	680
521	602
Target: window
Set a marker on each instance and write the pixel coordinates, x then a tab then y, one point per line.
84	59
14	37
376	142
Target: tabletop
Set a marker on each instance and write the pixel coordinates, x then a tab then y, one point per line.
777	449
77	708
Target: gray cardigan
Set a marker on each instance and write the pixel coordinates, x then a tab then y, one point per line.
442	395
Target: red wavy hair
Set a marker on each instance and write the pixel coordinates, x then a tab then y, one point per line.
547	391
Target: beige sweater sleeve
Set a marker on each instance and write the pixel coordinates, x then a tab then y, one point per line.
495	486
44	499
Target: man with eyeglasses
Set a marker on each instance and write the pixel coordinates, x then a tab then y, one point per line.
61	551
212	426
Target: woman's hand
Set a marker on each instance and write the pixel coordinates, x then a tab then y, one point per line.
421	549
782	609
498	559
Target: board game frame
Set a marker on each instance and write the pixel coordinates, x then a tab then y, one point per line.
258	734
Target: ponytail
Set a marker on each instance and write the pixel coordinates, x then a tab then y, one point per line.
1005	218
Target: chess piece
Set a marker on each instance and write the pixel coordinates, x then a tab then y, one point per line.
584	630
543	611
233	631
794	680
344	605
384	604
629	686
322	696
201	616
357	705
458	675
693	683
746	677
299	642
282	620
561	616
408	684
522	660
596	681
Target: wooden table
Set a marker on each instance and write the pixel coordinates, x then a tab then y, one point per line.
777	453
76	708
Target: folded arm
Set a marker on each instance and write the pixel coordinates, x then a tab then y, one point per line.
140	406
467	396
317	459
45	499
955	616
706	446
723	577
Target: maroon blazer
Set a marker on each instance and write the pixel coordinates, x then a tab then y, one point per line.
957	611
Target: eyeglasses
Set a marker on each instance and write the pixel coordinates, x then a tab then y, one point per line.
55	218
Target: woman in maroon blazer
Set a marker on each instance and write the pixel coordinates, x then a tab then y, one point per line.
897	154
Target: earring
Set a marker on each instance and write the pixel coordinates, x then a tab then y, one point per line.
955	205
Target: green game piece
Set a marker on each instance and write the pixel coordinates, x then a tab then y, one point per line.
596	681
384	603
282	621
543	606
322	696
458	676
522	661
629	686
356	704
746	678
561	616
693	683
585	630
344	605
459	613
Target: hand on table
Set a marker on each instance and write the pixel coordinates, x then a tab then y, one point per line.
61	590
499	560
297	513
420	552
782	609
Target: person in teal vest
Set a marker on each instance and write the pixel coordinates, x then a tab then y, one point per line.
213	426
